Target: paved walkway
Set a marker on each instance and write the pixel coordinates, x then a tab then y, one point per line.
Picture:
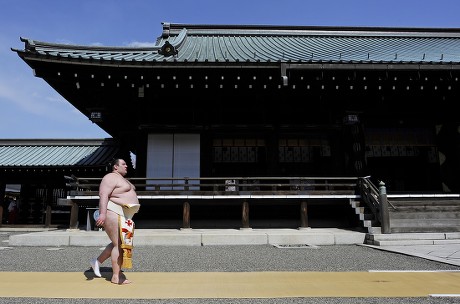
235	285
446	253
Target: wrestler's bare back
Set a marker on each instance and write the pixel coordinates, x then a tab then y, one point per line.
118	189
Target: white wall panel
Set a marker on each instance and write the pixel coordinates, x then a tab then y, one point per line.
160	151
186	155
173	155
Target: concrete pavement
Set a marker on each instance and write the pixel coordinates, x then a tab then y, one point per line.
448	253
440	247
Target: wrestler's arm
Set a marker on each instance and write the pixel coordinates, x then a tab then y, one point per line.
106	188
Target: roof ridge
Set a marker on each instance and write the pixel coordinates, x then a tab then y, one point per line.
169	28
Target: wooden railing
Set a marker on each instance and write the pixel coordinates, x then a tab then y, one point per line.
240	190
370	195
83	192
225	186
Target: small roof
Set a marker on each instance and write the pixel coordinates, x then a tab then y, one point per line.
56	152
209	44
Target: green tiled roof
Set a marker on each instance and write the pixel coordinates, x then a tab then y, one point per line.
194	43
56	152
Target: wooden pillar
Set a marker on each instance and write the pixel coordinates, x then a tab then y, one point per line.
303	215
74	216
48	216
245	215
186	215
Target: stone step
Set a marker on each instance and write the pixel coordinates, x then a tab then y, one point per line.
370	223
414	242
366	216
401	239
196	237
374	230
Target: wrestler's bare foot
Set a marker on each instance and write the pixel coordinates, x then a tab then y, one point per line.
122	282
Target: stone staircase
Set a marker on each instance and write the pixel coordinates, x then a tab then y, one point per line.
367	218
413	221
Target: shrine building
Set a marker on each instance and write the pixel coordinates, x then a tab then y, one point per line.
225	101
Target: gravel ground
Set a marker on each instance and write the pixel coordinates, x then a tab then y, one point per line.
220	258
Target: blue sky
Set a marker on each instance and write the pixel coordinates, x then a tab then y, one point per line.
30	108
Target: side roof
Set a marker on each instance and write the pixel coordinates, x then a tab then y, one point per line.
195	43
56	152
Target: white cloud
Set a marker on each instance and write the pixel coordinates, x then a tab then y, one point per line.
141	44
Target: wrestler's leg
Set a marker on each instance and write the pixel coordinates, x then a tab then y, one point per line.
105	254
116	254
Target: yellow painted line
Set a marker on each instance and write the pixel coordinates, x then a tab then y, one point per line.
168	285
